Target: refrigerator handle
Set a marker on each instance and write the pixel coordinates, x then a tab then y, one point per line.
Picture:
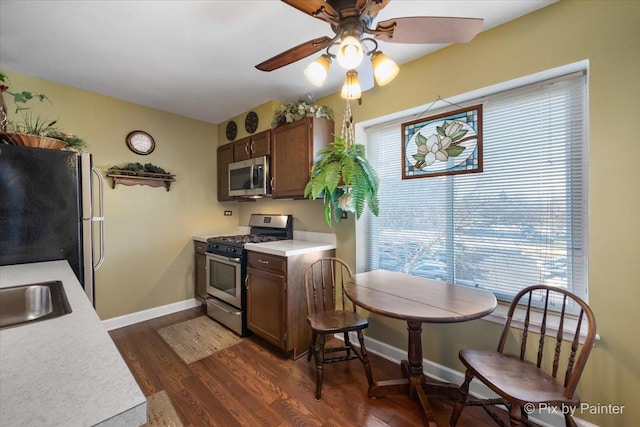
100	217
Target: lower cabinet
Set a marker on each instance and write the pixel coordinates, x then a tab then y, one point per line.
276	305
199	270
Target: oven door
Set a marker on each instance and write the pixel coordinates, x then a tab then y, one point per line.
224	279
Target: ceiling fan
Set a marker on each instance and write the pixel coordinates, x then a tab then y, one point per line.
353	19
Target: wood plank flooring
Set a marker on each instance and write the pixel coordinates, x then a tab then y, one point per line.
251	384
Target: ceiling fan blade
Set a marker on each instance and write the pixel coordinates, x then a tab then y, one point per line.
294	54
311	6
428	29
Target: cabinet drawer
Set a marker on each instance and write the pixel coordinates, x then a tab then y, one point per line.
269	262
199	247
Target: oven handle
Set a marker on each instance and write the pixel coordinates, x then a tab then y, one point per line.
223	258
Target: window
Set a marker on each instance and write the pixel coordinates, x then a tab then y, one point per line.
522	221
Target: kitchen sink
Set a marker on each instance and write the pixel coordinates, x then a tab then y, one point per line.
20	305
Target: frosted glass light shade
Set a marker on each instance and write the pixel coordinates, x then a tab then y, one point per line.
350	53
351	88
316	72
384	69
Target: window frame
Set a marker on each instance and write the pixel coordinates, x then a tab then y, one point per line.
474	97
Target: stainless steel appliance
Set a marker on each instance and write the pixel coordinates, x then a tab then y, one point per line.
47	210
227	268
250	178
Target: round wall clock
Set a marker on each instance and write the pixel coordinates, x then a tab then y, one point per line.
232	130
140	142
251	122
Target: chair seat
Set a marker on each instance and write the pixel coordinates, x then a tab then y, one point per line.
337	321
515	379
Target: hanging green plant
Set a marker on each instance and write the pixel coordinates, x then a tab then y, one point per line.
346	178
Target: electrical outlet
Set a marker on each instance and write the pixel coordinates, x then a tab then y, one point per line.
228	213
344	215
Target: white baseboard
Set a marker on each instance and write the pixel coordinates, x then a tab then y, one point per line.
141	316
444	373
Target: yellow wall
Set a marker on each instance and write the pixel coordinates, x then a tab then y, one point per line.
149	251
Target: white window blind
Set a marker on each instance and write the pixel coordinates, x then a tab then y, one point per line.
522	221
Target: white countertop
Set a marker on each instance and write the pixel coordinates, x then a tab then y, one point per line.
289	247
64	371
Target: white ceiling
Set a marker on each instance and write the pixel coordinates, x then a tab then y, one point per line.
195	58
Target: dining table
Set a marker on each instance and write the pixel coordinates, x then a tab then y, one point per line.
417	300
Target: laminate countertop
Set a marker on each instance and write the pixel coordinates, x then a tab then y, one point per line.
289	247
64	371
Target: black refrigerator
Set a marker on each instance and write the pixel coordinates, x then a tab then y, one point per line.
51	208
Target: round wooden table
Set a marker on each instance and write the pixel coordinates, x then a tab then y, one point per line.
417	300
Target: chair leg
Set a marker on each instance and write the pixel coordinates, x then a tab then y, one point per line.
319	356
569	421
312	346
459	405
515	415
347	344
365	359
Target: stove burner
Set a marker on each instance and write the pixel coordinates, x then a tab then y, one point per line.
246	238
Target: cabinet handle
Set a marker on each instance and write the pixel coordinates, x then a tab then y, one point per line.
261	261
246	282
246	148
273	186
251	148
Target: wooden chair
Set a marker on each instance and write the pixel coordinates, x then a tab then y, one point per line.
523	385
328	316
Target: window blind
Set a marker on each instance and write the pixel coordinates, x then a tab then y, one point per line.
522	221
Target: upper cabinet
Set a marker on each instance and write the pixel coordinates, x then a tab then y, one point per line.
225	156
252	146
293	148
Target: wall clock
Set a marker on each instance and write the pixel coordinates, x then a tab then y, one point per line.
251	122
140	142
232	130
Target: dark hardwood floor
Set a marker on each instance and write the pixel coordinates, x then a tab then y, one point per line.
250	384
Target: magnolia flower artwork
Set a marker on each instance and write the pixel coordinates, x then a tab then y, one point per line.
445	144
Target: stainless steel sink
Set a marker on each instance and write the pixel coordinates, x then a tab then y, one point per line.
30	303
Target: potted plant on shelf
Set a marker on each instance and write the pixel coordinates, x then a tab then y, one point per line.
346	178
291	112
32	130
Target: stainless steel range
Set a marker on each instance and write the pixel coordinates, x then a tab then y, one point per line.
227	268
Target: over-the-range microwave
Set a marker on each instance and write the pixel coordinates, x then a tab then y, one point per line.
250	178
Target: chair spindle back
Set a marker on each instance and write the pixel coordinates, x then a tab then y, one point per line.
322	278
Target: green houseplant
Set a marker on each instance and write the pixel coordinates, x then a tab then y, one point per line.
346	179
29	129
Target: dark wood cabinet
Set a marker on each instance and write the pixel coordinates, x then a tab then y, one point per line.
276	306
199	270
252	146
293	149
225	156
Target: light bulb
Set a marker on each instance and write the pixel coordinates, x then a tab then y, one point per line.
351	88
384	69
316	72
350	53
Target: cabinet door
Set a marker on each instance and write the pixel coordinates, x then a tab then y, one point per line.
200	276
293	149
260	144
291	160
241	149
266	306
225	156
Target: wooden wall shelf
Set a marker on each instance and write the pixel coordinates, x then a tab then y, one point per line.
161	180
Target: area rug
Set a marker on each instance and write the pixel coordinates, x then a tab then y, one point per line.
198	338
160	411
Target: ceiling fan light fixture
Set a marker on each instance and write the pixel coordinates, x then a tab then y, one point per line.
316	72
350	53
384	69
351	88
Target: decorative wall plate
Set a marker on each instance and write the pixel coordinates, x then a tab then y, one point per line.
232	130
251	122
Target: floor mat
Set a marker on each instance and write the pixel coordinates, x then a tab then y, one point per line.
160	411
198	338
